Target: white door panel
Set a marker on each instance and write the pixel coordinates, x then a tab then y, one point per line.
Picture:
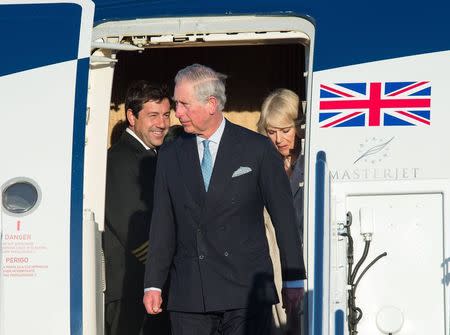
44	86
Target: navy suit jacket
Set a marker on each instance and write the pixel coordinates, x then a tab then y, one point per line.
129	201
296	180
213	243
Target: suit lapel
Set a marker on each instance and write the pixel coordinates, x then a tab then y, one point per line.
228	153
190	167
129	140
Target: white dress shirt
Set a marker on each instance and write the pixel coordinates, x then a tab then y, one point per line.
132	133
214	141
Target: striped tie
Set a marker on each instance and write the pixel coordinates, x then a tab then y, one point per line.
206	164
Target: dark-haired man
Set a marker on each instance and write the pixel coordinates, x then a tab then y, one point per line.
129	203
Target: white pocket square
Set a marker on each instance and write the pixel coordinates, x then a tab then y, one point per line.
242	170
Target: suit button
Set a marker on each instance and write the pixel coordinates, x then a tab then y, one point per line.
226	253
201	257
199	230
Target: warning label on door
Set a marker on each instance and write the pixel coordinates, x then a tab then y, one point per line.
21	255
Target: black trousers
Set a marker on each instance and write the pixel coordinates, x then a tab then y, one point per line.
129	317
256	321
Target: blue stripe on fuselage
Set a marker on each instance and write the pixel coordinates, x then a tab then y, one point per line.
76	199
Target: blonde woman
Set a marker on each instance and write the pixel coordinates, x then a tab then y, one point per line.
280	120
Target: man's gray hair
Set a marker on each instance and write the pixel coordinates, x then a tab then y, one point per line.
207	83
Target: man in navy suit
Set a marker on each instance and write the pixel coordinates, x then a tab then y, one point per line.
212	184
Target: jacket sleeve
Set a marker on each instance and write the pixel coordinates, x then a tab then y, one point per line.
278	200
162	236
126	213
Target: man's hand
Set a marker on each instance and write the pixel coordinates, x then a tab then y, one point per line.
292	298
152	301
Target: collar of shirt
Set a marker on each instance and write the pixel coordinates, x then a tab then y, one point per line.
214	142
132	133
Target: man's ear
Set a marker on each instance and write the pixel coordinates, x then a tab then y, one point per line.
130	117
212	105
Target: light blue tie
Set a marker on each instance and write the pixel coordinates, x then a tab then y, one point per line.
206	164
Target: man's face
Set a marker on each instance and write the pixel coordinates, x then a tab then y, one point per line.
195	116
152	122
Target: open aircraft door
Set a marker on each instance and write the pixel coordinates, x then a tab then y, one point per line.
43	84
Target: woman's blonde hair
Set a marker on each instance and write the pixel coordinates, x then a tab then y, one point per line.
281	109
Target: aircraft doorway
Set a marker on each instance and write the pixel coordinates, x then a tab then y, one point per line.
257	60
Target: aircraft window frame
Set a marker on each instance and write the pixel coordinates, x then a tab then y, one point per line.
23	201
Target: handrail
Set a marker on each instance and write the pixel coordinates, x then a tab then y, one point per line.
319	212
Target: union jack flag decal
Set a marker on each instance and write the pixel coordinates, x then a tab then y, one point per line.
375	104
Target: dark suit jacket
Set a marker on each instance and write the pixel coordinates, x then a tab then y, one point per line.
296	180
214	244
129	202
